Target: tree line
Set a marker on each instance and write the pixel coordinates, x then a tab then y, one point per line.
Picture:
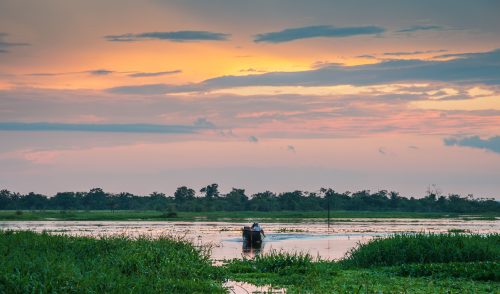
209	198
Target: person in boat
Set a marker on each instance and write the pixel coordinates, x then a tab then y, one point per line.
256	227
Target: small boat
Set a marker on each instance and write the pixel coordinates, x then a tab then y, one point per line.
251	237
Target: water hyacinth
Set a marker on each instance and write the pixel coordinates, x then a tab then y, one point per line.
43	263
425	248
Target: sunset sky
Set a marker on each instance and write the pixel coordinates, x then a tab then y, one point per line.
279	95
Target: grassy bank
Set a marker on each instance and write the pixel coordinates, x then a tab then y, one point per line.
42	263
124	215
399	264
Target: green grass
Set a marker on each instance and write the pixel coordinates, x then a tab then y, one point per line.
273	262
423	263
42	263
479	271
371	269
322	278
425	248
290	216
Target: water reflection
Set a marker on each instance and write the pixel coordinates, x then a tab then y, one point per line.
250	250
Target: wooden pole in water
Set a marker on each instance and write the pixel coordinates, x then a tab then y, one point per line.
328	204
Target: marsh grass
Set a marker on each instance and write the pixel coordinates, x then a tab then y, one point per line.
402	263
479	271
273	262
281	269
42	263
417	263
424	248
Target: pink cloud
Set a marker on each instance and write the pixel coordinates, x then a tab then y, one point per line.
41	157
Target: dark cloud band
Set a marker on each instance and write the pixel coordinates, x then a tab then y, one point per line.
153	74
491	144
5	46
178	36
413	52
102	128
292	34
421	28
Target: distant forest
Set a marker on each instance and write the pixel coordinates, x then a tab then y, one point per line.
210	199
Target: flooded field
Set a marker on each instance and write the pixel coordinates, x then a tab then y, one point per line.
224	238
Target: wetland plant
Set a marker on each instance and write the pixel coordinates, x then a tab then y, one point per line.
41	263
424	248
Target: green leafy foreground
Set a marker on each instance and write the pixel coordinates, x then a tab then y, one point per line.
418	263
42	263
413	263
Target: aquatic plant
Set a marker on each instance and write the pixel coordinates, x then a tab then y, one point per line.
458	231
424	248
281	269
273	262
479	271
42	263
288	230
299	273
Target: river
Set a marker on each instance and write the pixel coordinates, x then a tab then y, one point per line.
224	238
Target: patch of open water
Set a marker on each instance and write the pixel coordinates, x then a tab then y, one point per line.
313	237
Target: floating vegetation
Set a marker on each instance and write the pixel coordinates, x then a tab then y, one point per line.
43	263
479	271
481	218
402	263
287	230
424	248
458	231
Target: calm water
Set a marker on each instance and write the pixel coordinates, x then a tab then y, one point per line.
312	237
